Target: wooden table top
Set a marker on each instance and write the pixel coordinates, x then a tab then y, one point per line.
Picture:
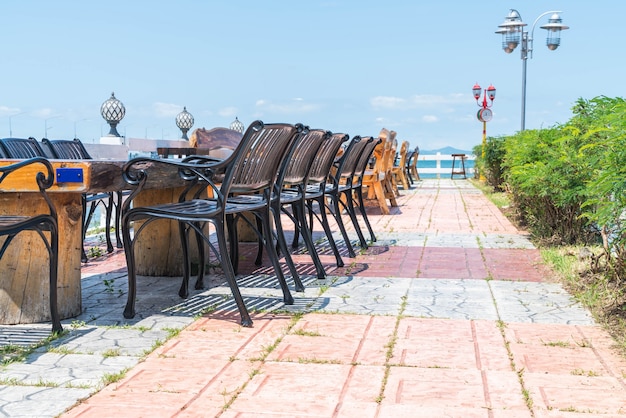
85	176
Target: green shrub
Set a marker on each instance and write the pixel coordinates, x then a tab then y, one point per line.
548	187
490	166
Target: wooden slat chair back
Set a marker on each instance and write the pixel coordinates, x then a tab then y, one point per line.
248	179
389	158
75	150
43	223
377	180
399	170
412	165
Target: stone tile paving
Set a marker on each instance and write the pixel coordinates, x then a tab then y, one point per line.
443	316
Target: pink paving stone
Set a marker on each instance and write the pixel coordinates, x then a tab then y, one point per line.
226	340
452	263
306	389
565	349
516	264
337	338
443	388
588	395
395	411
450	344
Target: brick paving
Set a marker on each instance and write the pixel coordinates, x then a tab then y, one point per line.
450	313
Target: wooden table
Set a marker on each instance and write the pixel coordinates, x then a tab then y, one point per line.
24	267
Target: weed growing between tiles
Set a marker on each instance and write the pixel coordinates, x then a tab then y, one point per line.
390	346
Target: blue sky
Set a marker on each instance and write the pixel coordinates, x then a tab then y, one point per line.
347	66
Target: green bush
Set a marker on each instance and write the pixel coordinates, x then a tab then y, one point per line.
602	122
548	184
491	165
568	182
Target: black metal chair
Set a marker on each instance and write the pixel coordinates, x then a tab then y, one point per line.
75	150
316	188
42	224
411	165
353	188
341	184
289	192
247	180
22	148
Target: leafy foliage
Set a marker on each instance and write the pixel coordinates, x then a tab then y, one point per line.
568	182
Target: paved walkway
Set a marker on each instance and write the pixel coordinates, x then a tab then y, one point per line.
451	313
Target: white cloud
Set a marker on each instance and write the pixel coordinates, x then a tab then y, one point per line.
9	111
166	110
418	101
44	113
430	118
295	106
228	112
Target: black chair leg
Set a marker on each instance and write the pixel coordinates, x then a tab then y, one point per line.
282	245
201	259
118	217
336	211
83	256
359	195
271	251
349	205
183	292
231	226
54	268
129	310
107	223
328	232
308	239
227	266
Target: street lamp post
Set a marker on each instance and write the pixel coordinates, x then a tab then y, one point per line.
46	127
11	126
513	34
484	113
76	123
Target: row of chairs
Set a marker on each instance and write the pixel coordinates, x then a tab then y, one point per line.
23	148
276	168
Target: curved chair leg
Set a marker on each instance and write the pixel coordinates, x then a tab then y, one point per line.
118	217
231	226
54	270
328	232
271	250
227	266
282	245
201	259
298	209
183	292
129	310
349	205
83	256
107	225
259	254
336	211
359	195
